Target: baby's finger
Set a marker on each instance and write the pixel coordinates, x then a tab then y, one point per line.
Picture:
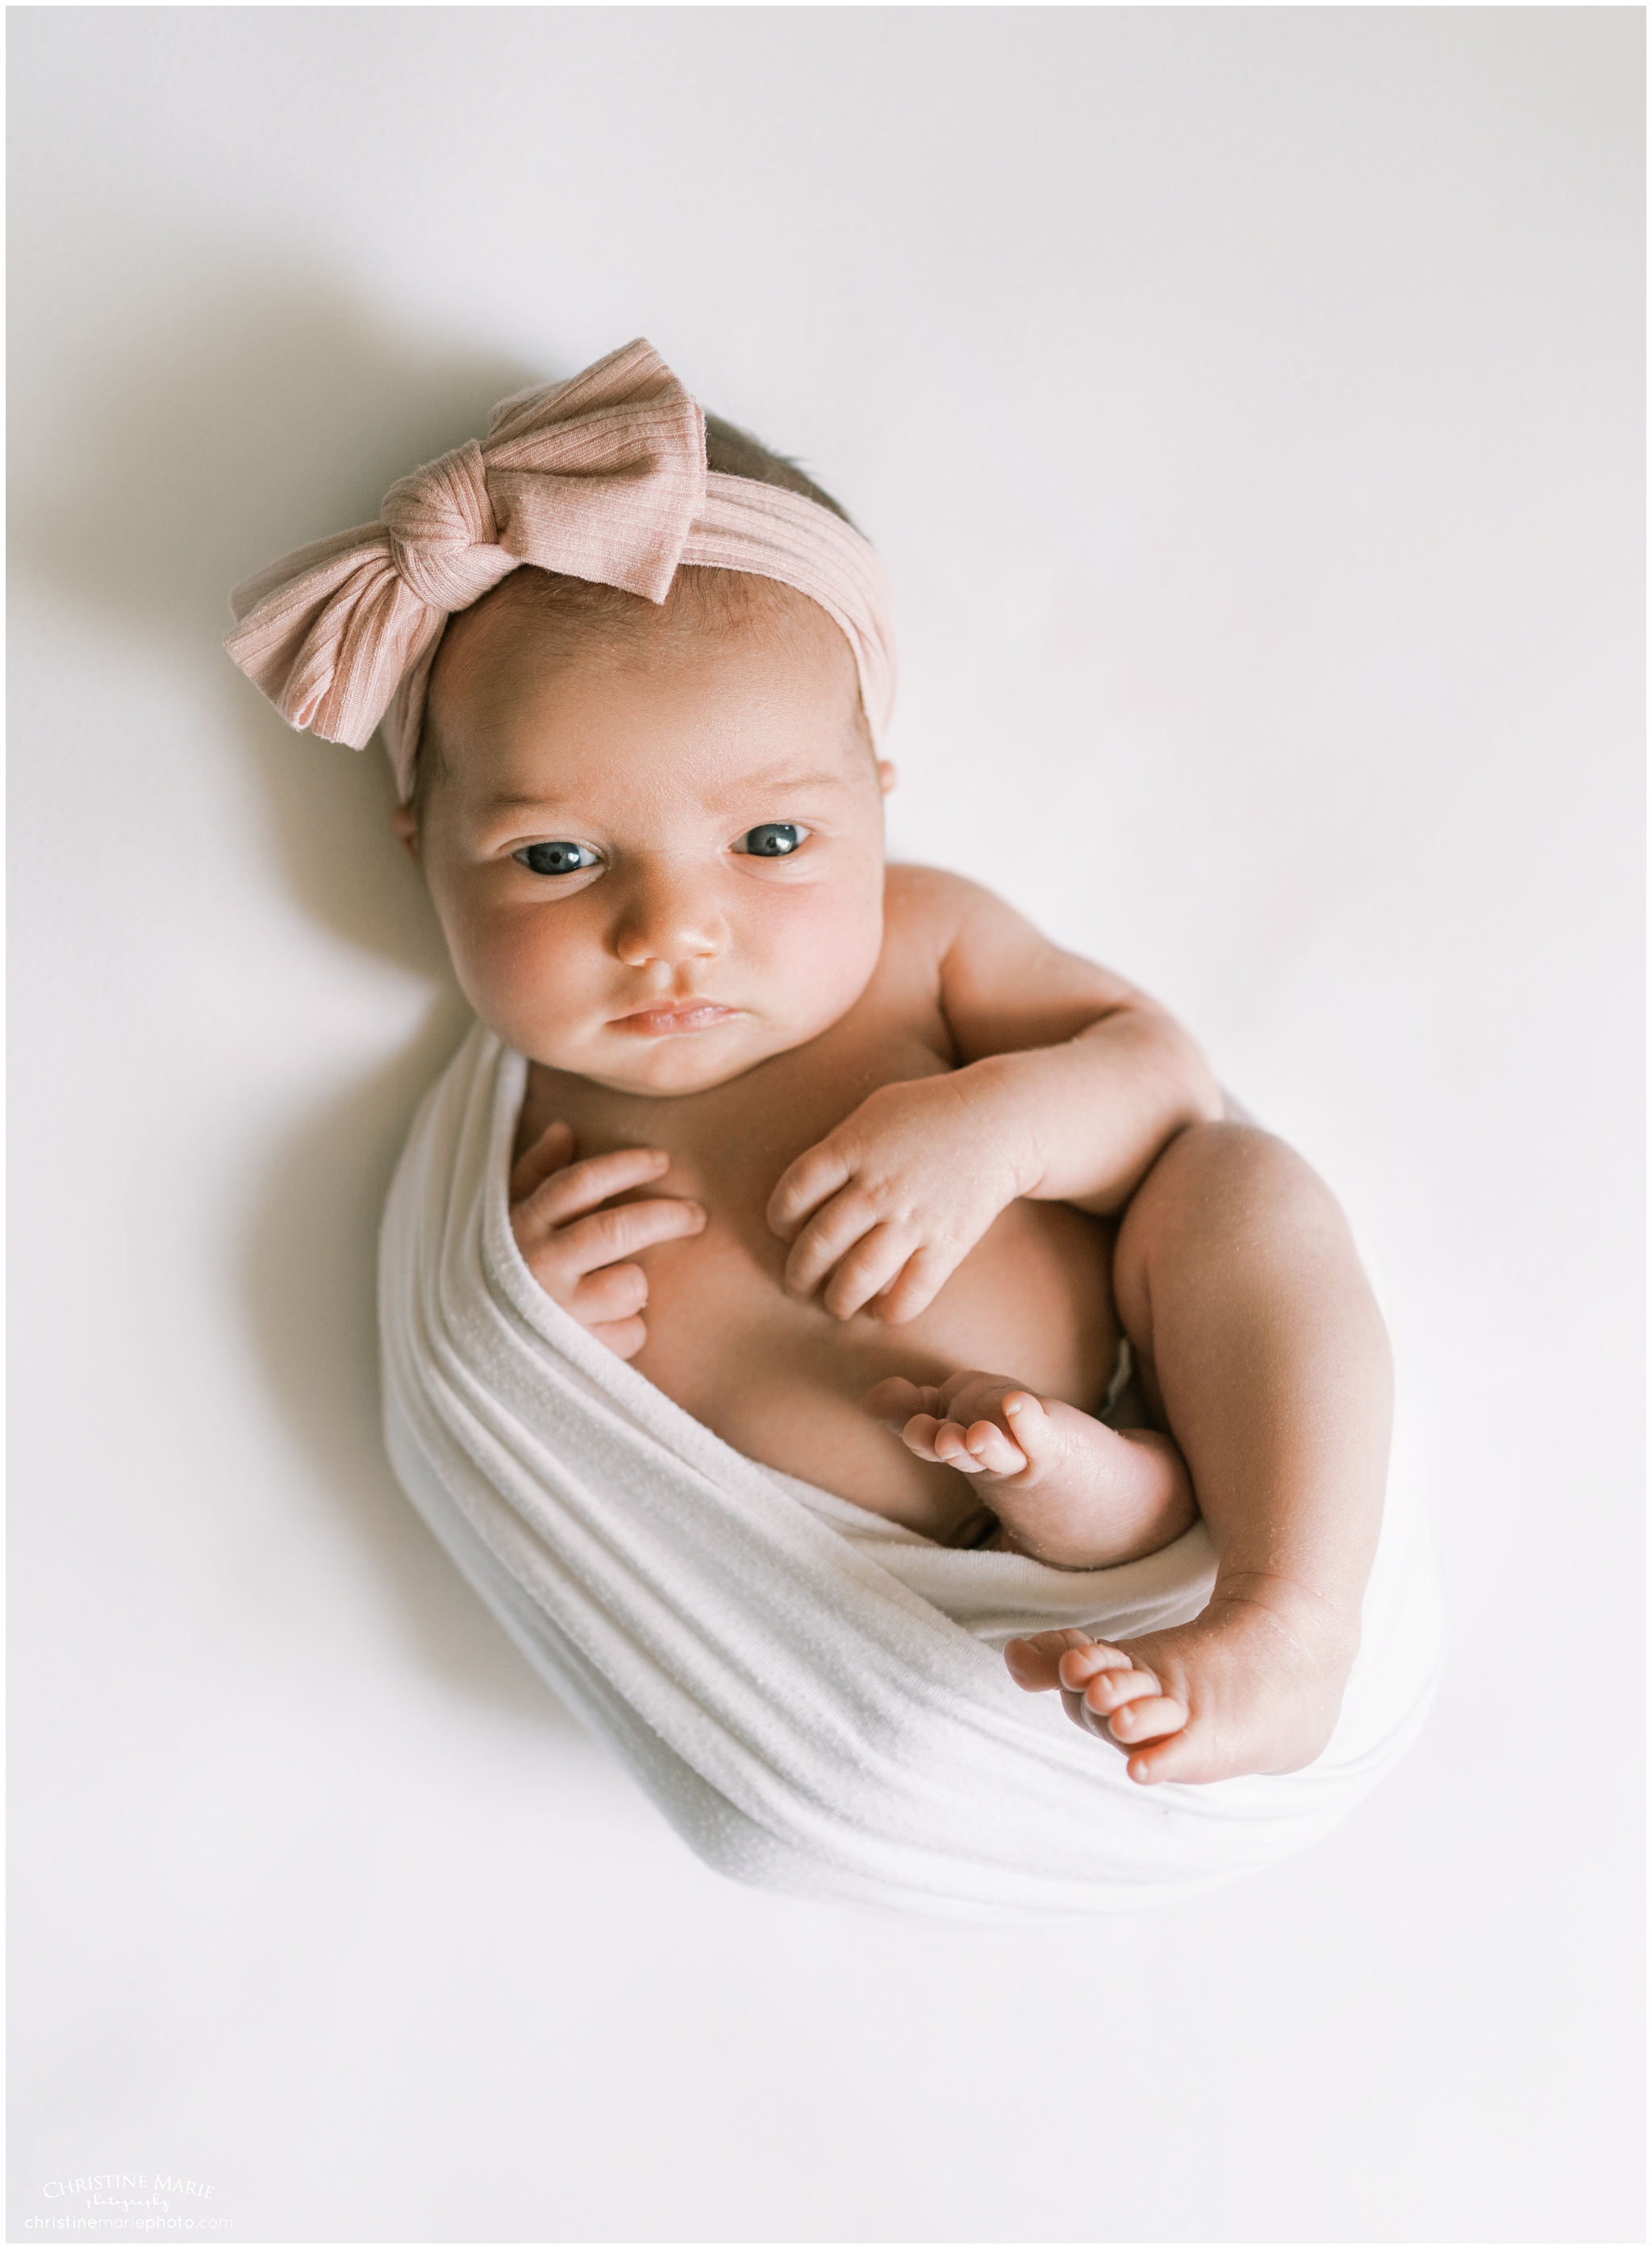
829	1236
608	1235
623	1338
548	1153
616	1292
813	1178
915	1287
579	1187
866	1271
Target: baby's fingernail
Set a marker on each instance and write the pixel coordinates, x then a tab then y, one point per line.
1014	1405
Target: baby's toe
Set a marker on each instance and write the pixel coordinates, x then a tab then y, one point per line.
952	1445
1032	1429
995	1451
1034	1664
1111	1689
895	1400
918	1437
1148	1720
1086	1657
1172	1757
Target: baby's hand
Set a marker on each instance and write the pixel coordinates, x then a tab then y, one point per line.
887	1207
569	1244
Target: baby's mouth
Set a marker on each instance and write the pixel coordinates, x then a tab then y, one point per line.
673	1015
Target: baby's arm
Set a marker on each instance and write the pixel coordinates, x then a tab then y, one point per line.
1101	1077
1070	1085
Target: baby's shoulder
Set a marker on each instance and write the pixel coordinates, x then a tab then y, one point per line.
927	905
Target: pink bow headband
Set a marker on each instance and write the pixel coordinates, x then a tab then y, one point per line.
603	478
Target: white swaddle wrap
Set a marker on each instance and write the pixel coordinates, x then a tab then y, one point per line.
814	1696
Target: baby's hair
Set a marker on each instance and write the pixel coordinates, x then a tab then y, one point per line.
731	452
608	617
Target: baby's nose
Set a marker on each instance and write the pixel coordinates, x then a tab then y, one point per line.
669	916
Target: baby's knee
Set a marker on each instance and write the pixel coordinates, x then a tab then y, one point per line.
1217	1179
1230	1149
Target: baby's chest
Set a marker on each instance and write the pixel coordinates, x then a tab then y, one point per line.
782	1381
1032	1299
780	1378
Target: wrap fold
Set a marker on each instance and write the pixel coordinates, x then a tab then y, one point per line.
813	1696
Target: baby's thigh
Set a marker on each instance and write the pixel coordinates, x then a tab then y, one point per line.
1222	1205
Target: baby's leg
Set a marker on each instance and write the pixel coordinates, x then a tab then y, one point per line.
1259	1339
1066	1489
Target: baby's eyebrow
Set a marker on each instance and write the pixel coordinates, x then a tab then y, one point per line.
775	782
779	778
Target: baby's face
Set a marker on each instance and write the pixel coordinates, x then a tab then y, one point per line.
656	865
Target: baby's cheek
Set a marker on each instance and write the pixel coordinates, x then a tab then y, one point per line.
820	956
523	976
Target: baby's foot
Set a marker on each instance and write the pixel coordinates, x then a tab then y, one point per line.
1254	1684
1067	1489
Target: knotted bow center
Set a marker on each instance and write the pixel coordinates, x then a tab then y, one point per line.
443	538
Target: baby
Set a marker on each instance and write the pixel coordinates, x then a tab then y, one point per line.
824	1146
815	1142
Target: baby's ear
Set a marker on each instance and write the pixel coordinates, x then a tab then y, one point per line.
404	826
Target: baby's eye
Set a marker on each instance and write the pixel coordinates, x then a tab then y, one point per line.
556	858
776	839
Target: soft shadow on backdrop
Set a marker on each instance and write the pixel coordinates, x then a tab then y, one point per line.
279	410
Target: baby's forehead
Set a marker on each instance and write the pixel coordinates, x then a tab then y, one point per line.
535	610
579	687
534	623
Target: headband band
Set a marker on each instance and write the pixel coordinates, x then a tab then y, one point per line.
603	478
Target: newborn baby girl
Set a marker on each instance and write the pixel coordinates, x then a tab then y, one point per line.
863	1173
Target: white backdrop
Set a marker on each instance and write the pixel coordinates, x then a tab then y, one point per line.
1247	404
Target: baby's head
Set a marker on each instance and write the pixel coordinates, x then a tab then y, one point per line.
653	832
630	668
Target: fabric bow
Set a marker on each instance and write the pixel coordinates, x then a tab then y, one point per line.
601	477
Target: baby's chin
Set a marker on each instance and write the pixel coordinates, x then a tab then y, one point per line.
669	1066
